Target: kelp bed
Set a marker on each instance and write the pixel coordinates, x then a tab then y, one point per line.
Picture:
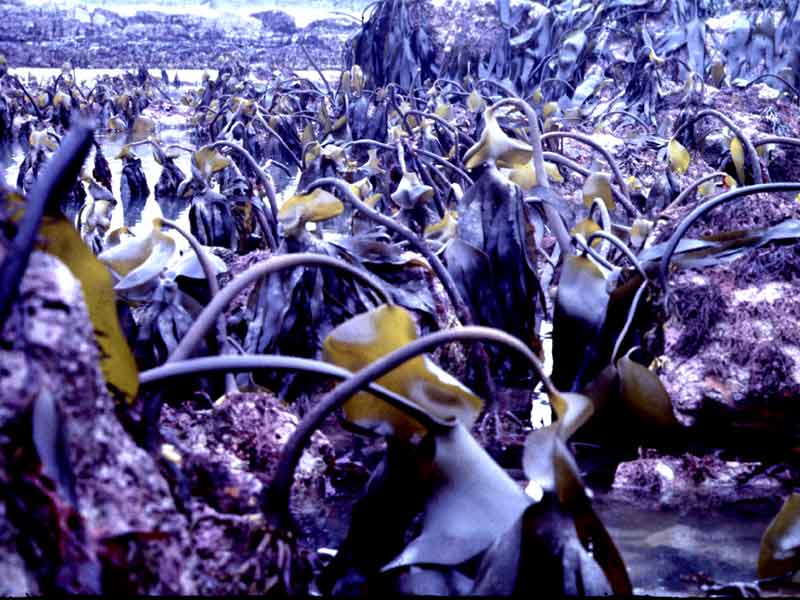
321	369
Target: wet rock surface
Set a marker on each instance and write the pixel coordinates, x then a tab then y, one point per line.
700	480
49	350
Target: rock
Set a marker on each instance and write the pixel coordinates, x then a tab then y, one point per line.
733	361
328	25
699	480
714	146
276	21
48	345
48	36
456	24
15	579
220	459
238	443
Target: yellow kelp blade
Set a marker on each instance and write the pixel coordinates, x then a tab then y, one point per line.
116	124
362	188
496	146
311	153
308	134
365	338
707	188
119	235
644	395
598	185
373	165
475	102
640	230
780	546
209	161
162	251
316	206
443	111
61	98
42	139
587	227
445	229
525	175
61	240
552	172
128	255
573	410
356	79
737	155
678	157
550	108
125	152
634	184
324	118
142	127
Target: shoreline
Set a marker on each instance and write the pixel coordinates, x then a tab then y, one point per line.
45	36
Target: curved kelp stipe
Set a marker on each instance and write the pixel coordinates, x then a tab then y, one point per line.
746	143
210	274
211	312
251	362
691	188
418	244
277	502
263	178
58	177
612	163
535	139
703	209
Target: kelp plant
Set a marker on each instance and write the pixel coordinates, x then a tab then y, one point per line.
405	234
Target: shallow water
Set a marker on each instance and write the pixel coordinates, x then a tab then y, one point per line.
170	131
671	551
171	128
668	551
86	76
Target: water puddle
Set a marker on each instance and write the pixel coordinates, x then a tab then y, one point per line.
672	551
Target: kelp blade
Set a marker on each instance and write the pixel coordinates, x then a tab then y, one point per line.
367	337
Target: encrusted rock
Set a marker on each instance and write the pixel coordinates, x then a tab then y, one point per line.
709	479
733	357
48	345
